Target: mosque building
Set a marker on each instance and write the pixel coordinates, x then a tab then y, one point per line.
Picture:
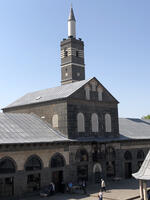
68	133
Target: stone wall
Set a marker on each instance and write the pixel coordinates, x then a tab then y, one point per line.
87	108
69	151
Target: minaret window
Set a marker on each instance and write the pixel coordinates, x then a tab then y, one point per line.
55	121
107	123
95	124
87	92
66	73
80	122
65	53
77	53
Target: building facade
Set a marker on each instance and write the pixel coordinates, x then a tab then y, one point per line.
68	133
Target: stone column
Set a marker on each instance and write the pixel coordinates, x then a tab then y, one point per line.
144	190
45	177
20	183
141	188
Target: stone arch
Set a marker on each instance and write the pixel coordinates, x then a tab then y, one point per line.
108	122
82	155
97	167
55	121
140	154
97	172
95	124
33	163
80	122
57	160
127	155
7	165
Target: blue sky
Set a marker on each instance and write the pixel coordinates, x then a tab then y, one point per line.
116	34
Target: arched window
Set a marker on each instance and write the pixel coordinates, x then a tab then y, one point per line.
128	155
140	155
107	123
93	84
65	52
140	158
94	120
7	166
81	155
57	161
110	154
33	163
80	122
87	92
100	91
77	53
55	121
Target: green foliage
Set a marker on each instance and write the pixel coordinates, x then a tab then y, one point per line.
147	117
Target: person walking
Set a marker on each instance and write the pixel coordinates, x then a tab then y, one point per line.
84	186
103	185
100	195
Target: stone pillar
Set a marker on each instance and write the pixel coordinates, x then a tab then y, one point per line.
141	189
90	172
20	183
118	164
144	190
45	177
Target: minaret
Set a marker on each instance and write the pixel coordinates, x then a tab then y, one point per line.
72	54
71	24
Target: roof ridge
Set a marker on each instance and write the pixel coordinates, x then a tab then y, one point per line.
49	94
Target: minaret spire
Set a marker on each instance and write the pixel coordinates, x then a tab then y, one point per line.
72	54
71	24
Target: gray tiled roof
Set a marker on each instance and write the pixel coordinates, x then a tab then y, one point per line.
132	128
29	128
144	171
26	128
49	94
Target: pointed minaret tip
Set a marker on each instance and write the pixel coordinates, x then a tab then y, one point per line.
71	15
71	24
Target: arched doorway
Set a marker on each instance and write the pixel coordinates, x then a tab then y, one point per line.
7	169
140	158
33	168
110	162
97	172
82	166
128	164
57	164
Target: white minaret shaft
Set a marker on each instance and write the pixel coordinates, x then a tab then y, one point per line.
71	24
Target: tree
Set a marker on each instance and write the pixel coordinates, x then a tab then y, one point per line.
147	117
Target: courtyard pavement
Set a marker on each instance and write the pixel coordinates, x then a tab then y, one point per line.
116	190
